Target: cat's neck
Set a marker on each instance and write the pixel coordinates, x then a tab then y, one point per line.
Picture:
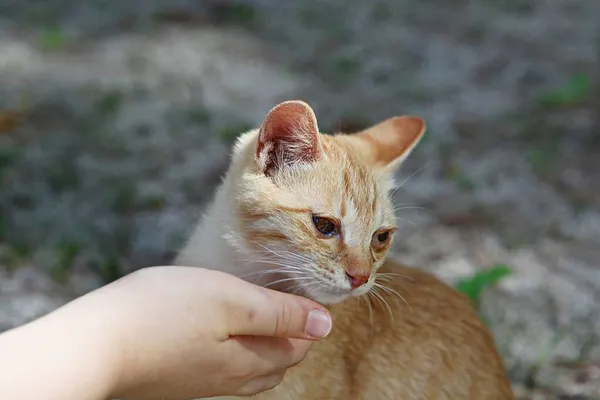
215	243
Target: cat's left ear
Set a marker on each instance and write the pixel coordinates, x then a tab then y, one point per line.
390	142
288	135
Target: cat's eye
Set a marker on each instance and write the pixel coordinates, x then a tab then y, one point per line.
326	226
381	238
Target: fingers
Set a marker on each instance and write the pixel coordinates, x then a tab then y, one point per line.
261	384
265	312
270	353
264	356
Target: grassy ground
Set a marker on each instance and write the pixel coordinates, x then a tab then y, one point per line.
116	120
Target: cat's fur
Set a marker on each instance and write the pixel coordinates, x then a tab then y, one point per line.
401	335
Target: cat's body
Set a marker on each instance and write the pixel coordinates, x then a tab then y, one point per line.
310	213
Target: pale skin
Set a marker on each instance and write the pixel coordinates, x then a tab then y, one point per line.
162	332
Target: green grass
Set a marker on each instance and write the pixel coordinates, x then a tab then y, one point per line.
10	155
63	267
573	92
540	159
236	13
347	65
52	39
109	270
198	116
125	198
110	102
474	286
21	250
14	254
456	174
64	176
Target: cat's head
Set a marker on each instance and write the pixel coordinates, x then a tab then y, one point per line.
316	208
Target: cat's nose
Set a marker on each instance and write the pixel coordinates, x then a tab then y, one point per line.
357	280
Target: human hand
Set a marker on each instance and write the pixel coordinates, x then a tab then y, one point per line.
162	332
188	332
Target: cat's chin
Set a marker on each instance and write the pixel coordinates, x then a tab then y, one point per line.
328	295
328	298
323	293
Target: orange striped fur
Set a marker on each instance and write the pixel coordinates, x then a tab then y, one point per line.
399	333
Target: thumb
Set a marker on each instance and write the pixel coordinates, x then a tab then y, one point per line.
270	313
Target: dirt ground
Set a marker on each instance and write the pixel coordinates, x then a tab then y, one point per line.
116	120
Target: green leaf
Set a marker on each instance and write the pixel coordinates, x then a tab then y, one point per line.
474	286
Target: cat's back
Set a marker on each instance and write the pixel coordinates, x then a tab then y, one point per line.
416	338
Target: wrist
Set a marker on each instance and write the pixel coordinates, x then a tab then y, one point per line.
70	355
97	335
84	335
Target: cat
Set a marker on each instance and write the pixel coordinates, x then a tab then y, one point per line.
311	213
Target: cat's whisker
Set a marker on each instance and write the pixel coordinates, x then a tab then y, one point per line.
287	280
371	324
290	254
394	292
404	204
384	303
272	271
412	208
297	256
283	261
302	285
281	264
267	249
389	275
410	176
370	293
371	296
408	221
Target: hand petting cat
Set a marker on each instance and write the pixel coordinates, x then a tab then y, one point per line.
162	332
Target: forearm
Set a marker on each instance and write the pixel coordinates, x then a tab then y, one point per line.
64	355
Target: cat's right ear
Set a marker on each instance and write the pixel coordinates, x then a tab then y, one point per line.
390	142
288	135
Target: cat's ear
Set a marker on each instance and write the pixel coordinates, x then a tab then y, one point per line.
390	142
288	135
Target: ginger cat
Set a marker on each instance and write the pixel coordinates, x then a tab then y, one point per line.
311	214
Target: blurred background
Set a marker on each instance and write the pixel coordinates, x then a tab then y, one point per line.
116	120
